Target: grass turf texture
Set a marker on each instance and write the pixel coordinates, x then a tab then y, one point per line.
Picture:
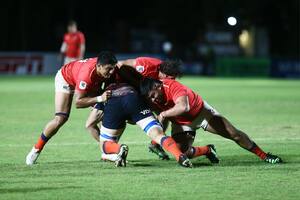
69	166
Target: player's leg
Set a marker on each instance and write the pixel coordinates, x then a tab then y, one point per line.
63	103
217	124
185	136
156	148
139	113
91	124
111	150
113	125
154	130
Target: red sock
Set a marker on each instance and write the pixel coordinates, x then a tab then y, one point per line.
110	147
153	142
41	142
170	145
258	151
200	151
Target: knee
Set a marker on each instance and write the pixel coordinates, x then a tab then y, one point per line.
182	142
189	153
156	134
184	148
235	135
233	132
60	120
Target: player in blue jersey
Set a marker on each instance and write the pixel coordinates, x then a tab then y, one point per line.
126	104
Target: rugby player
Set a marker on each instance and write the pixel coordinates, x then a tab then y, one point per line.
189	112
147	67
73	46
126	104
84	78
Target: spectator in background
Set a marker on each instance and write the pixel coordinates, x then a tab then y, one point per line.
73	46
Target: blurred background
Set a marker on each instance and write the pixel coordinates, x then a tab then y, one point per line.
211	37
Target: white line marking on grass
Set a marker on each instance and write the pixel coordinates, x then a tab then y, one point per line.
143	142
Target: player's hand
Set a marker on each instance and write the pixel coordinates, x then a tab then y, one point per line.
119	64
106	95
161	117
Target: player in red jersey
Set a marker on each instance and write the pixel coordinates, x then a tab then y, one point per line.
82	78
153	67
189	112
73	46
147	67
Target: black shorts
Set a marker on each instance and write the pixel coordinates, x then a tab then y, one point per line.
122	108
99	106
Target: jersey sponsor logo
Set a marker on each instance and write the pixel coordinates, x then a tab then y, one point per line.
140	68
82	85
145	112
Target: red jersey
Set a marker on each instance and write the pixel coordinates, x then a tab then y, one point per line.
172	90
148	67
82	75
73	41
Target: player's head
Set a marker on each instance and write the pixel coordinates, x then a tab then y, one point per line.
72	26
152	90
170	69
106	64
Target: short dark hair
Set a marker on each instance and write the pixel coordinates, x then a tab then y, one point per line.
72	23
171	68
147	84
106	58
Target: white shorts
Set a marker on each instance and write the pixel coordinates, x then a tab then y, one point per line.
61	84
200	122
67	60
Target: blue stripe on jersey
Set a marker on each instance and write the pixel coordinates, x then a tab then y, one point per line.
153	123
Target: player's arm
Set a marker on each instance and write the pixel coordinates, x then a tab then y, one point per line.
128	62
63	48
64	45
82	45
82	101
82	50
181	106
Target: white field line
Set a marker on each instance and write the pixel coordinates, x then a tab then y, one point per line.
143	142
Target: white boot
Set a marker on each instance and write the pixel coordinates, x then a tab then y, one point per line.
32	156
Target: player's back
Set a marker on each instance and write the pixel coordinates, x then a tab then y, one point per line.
148	67
71	70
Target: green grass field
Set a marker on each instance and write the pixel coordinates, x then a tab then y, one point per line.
70	167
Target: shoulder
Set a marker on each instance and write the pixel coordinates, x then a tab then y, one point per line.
170	82
87	65
173	85
80	35
88	61
66	36
148	59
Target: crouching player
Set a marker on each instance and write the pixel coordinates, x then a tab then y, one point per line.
188	112
126	104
